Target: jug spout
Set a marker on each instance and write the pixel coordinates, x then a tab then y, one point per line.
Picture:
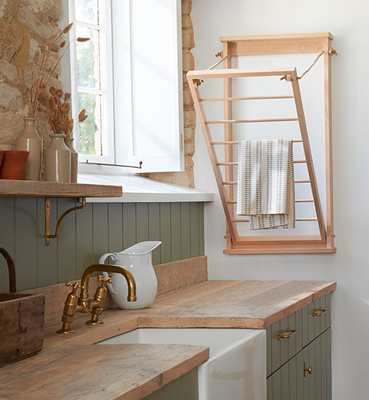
141	248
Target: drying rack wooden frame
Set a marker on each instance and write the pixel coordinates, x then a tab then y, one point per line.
264	45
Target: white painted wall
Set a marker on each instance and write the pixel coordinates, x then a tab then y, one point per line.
348	22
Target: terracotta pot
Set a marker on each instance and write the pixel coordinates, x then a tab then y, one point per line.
14	164
1	157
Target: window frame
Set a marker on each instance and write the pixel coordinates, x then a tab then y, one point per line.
106	77
120	139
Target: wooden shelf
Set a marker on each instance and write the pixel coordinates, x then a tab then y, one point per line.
13	188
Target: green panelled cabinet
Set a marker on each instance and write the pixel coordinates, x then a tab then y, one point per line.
299	354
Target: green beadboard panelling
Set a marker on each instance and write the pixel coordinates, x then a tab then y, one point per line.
142	222
165	232
66	241
185	231
88	233
175	226
190	384
84	242
47	256
201	229
100	230
154	230
183	388
25	255
115	227
7	217
129	225
194	229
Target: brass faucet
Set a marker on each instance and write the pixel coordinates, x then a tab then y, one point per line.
84	303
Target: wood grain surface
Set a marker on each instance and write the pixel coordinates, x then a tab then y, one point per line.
124	372
70	367
210	304
56	189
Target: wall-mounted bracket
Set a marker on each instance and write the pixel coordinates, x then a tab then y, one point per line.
47	219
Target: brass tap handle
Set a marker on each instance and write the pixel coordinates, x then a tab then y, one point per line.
103	280
75	286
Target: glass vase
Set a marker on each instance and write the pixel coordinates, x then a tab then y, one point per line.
30	141
57	160
73	160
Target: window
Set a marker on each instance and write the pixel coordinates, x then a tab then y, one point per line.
129	79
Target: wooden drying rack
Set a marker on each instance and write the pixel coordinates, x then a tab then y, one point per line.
268	45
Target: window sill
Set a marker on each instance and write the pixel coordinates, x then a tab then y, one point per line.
137	189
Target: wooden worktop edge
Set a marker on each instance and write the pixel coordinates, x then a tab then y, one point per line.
331	286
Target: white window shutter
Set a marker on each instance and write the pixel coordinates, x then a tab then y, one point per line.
147	51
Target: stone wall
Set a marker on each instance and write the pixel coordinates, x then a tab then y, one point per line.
24	24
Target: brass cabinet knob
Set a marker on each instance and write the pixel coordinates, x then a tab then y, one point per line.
286	334
319	312
307	370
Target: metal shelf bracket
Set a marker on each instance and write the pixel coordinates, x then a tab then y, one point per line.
47	219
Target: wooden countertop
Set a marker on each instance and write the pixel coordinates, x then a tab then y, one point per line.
124	372
222	304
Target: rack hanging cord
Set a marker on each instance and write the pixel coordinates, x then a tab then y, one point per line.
331	51
216	64
116	165
200	81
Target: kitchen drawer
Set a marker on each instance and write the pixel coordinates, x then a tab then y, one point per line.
290	383
307	327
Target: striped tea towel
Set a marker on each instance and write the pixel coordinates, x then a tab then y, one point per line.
266	190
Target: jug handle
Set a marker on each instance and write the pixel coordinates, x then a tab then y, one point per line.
102	261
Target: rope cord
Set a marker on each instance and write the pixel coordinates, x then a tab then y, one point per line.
216	64
332	51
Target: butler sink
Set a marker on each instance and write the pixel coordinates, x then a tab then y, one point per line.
237	364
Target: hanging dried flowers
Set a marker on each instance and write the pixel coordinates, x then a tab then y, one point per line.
43	75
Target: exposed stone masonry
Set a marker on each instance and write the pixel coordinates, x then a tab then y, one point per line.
24	24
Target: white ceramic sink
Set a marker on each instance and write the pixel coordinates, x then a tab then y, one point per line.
237	364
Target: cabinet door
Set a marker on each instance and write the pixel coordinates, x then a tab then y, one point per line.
317	356
291	383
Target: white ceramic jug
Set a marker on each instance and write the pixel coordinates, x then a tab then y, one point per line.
138	260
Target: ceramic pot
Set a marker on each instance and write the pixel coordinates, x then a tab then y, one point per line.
57	160
1	157
73	159
14	165
138	260
30	141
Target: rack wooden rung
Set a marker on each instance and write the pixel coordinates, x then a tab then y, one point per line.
296	219
246	98
236	163
250	121
233	142
296	201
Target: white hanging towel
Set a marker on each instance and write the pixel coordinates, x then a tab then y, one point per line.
266	191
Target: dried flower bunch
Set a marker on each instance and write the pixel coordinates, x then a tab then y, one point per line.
57	105
54	101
